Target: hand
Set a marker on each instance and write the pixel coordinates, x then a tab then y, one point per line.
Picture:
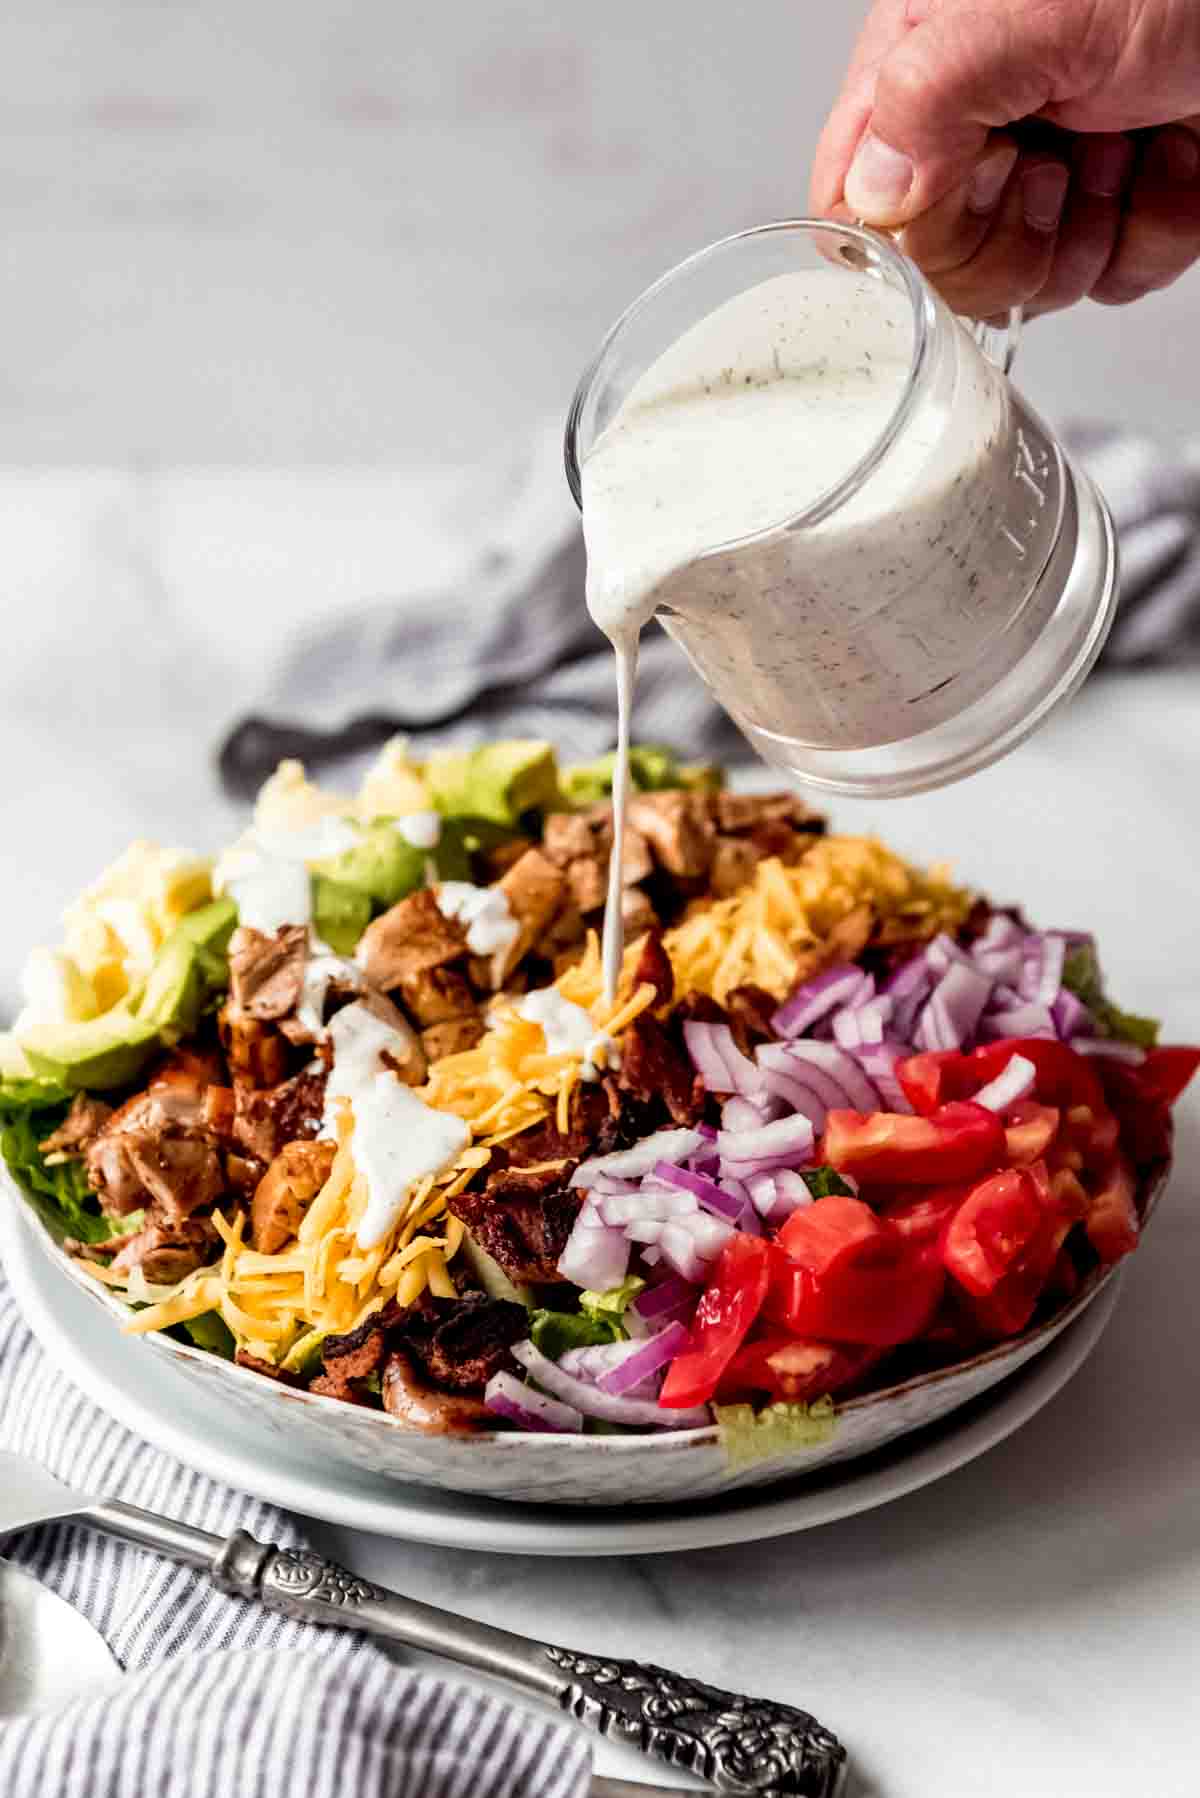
1034	152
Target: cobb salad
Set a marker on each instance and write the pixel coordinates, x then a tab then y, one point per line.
350	1107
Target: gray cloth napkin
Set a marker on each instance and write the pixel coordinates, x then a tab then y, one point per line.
224	1699
512	650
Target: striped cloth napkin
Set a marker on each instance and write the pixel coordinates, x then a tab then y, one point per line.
224	1699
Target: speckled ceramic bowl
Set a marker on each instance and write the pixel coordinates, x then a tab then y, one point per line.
580	1470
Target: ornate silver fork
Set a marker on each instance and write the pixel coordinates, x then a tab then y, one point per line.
738	1745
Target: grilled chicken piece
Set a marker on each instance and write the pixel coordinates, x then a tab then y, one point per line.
679	830
285	1192
79	1129
266	973
270	1117
166	1253
409	939
534	889
420	1407
452	1036
257	1054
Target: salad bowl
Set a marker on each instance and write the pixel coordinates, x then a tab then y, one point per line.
682	1466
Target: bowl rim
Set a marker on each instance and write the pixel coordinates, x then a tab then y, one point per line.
1152	1183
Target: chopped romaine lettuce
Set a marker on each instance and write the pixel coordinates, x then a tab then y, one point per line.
747	1437
615	1302
1081	974
822	1181
554	1332
29	1111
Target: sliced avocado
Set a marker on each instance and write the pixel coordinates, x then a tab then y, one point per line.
111	1050
702	777
98	1054
652	768
499	781
382	865
340	913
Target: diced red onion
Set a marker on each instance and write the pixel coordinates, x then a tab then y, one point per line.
864	994
828	1059
794	1188
1071	1016
879	1064
652	1256
1000	932
681	1252
630	1164
699	1188
667	1296
857	1026
710	1234
748	1114
642	1207
763	1193
1042	972
812	1000
1001	965
912	976
955	1007
717	1058
708	1130
528	1409
594	1403
780	1144
600	1184
1016	1081
596	1256
644	1360
1105	1047
647	1229
1024	1020
943	953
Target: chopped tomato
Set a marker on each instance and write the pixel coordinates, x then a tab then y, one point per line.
1166	1071
1143	1115
991	1229
936	1077
796	1371
727	1309
1029	1129
1112	1223
851	1278
952	1143
1063	1077
815	1234
921	1216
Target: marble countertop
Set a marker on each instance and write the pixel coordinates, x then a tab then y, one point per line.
1027	1624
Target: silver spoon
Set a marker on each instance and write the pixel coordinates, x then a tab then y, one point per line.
739	1745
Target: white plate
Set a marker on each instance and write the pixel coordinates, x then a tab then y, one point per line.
145	1393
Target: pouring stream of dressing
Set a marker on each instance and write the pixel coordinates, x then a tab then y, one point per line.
625	646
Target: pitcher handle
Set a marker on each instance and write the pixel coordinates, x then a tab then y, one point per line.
999	343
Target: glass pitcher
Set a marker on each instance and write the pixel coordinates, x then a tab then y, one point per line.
928	609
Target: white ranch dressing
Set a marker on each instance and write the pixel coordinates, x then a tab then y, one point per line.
321	971
484	912
423	830
397	1139
567	1028
824	635
266	873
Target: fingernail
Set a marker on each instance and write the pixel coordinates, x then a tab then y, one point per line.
1044	194
1173	155
1104	164
990	177
878	180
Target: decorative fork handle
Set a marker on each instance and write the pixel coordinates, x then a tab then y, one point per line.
746	1746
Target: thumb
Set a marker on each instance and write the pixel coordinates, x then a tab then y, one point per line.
938	93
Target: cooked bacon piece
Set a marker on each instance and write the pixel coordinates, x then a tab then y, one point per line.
349	1360
408	939
419	1407
458	1344
452	1036
79	1129
652	1068
267	1369
679	830
166	1253
522	1219
654	969
268	1118
256	1053
266	973
285	1192
751	1009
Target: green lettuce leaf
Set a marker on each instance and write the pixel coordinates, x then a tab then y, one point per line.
554	1332
747	1437
822	1181
613	1303
59	1194
1082	975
